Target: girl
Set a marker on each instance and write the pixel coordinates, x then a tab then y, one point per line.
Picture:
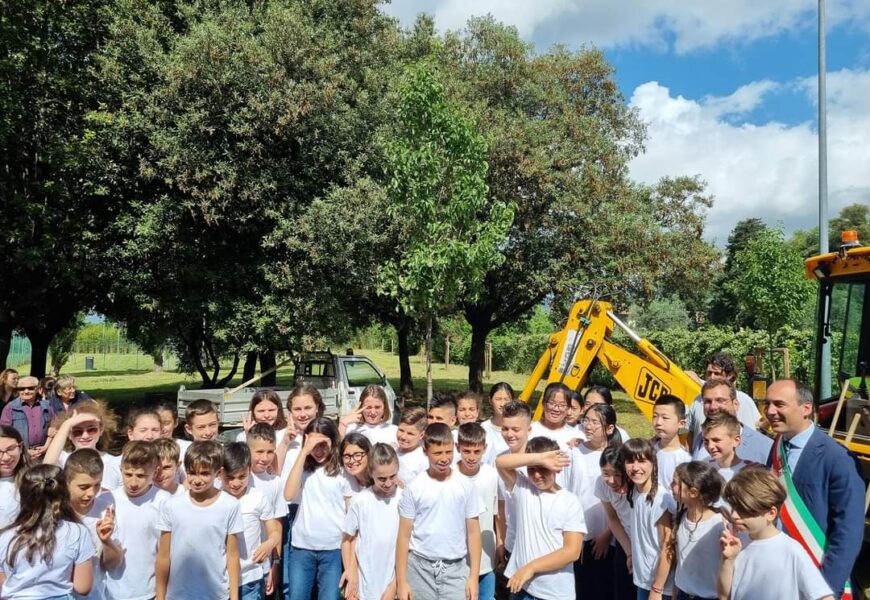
696	487
499	395
371	417
168	413
593	571
12	460
143	425
8	385
355	448
651	510
599	394
323	491
552	424
612	489
89	425
371	527
46	552
265	408
575	409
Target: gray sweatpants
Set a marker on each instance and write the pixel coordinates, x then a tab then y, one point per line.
437	579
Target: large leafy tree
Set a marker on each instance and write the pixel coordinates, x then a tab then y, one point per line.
724	307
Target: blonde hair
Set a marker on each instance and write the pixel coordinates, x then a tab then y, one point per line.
107	418
376	391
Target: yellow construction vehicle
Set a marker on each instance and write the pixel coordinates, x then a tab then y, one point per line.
843	324
571	353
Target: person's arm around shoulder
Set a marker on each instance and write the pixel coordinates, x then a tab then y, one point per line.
507	464
163	564
234	569
403	545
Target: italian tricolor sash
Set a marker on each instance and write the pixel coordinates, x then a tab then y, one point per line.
797	520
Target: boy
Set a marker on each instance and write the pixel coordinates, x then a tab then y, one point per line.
550	524
137	509
669	417
467	407
201	421
84	477
412	459
772	561
261	445
167	473
200	527
262	535
515	430
443	409
438	528
721	439
472	448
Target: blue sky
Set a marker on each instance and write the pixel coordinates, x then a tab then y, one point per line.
727	90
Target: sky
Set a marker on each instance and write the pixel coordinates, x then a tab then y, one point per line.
728	91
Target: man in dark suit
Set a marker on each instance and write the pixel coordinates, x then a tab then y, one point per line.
826	476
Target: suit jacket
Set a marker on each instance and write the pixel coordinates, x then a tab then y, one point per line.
828	479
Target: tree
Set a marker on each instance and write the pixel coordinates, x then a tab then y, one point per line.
559	138
659	315
436	170
724	305
769	284
62	344
853	216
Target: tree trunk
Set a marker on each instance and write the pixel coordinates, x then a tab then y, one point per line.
267	361
428	363
477	354
38	354
229	376
250	368
158	362
406	383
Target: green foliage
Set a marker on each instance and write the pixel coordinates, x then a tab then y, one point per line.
61	346
853	216
659	315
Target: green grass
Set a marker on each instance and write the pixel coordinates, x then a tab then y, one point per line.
128	379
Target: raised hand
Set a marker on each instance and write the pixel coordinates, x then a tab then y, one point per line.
106	525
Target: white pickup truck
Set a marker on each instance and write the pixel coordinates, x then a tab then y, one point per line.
340	379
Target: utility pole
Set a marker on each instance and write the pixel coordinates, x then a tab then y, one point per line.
825	375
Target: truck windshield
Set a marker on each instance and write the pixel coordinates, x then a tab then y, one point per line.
360	373
848	324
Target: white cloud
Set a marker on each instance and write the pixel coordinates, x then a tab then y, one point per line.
767	170
684	24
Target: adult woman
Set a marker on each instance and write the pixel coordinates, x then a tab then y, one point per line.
8	383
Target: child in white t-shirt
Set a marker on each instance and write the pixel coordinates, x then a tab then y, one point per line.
96	509
167	475
772	561
200	527
49	530
721	440
137	513
697	528
370	528
265	408
669	416
438	527
549	522
262	535
612	489
651	519
499	395
472	449
467	407
553	423
409	444
323	491
372	417
12	460
168	426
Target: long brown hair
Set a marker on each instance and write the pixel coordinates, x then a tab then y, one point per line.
269	396
639	449
44	504
104	415
324	425
24	457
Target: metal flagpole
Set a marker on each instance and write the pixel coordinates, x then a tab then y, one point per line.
825	375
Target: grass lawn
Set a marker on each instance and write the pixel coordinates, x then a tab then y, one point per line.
127	379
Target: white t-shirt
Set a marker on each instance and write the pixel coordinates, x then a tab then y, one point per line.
289	460
542	518
377	520
747	413
561	436
781	567
111	471
137	532
384	433
272	488
98	510
439	510
9	503
645	542
495	443
667	462
485	483
256	509
509	508
183	447
728	472
37	580
754	446
587	472
412	464
199	538
322	503
618	501
698	556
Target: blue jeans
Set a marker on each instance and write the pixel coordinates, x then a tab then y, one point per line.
523	595
486	586
286	551
256	590
308	566
643	594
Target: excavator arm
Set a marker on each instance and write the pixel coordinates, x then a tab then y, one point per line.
645	373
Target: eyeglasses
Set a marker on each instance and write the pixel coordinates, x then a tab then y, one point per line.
356	457
11	450
29	388
89	430
590	422
557	406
